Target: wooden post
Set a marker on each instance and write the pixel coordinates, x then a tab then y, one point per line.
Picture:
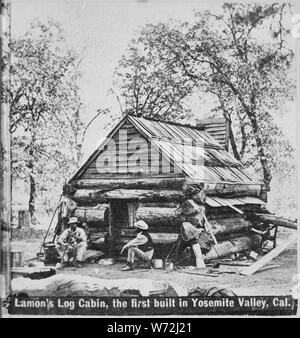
199	257
5	171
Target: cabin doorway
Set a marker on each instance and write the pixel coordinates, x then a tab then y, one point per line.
122	216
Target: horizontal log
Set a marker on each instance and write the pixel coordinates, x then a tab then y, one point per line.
130	183
235	245
166	218
93	197
73	285
157	238
227	189
84	197
160	204
224	226
158	216
95	216
94	236
276	220
146	195
130	232
163	238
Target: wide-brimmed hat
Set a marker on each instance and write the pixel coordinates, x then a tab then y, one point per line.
73	220
141	225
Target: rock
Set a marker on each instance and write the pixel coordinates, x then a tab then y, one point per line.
92	256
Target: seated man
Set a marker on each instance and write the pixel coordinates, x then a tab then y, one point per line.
71	244
141	246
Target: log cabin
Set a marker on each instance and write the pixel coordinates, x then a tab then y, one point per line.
166	173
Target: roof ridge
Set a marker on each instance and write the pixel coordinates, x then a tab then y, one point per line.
167	122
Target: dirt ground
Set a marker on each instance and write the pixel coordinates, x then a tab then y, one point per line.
275	281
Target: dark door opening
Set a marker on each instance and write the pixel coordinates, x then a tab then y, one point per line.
122	216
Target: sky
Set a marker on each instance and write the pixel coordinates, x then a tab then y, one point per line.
100	30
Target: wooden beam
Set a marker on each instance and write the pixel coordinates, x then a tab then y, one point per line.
278	221
268	257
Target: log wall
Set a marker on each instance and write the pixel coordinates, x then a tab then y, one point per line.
93	217
164	204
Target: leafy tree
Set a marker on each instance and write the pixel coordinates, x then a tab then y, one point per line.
150	87
224	56
45	109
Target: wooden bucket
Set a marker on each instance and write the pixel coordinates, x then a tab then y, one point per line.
51	254
16	258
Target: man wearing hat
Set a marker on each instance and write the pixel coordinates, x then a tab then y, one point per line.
140	247
72	243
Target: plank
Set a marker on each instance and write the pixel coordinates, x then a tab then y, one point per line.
198	273
268	257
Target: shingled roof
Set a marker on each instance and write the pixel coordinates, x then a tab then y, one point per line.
203	158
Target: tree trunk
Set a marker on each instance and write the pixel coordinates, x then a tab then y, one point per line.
232	142
23	219
32	192
78	145
267	176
